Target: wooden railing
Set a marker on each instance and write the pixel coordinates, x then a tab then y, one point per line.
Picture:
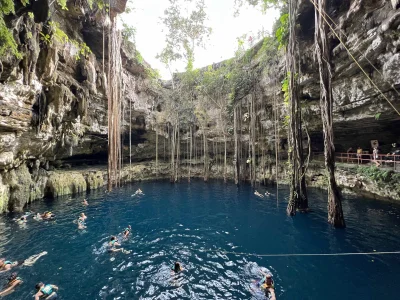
386	160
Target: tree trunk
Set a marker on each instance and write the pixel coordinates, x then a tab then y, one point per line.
236	156
190	151
298	194
156	151
205	152
335	212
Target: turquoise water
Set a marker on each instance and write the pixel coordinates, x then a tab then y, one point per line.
181	221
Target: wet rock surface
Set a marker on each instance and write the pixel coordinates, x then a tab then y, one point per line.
53	101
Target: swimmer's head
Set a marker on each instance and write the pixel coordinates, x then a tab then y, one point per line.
268	278
39	285
12	277
113	238
177	267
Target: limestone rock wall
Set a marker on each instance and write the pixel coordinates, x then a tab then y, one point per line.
53	101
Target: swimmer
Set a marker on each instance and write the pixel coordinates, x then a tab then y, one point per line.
177	268
113	244
138	192
48	215
267	193
46	291
37	217
267	284
83	217
84	202
81	224
22	220
13	281
258	194
127	231
6	265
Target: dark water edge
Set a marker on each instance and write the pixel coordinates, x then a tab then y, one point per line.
184	221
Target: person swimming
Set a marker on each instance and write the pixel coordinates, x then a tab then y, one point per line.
127	231
267	193
37	217
81	224
84	202
267	285
22	220
46	291
138	192
13	282
48	215
258	194
177	267
6	265
113	244
83	217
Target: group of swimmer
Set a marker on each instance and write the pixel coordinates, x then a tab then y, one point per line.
267	194
43	291
48	291
114	243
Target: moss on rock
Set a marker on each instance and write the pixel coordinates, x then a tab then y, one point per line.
65	183
94	180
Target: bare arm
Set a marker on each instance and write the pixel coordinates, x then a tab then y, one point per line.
272	292
10	288
38	295
54	287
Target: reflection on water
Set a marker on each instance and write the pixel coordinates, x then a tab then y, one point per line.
194	223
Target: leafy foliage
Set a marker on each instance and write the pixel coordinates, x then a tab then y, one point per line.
379	175
63	4
128	32
7	42
184	31
6	7
282	32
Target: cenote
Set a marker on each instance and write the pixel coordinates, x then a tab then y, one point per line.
194	223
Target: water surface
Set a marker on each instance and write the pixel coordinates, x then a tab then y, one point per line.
184	222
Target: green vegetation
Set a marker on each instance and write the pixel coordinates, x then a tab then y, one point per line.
63	4
379	175
7	42
128	32
58	35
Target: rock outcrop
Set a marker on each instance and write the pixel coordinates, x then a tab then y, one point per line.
53	103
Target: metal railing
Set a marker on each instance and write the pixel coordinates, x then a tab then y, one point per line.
386	160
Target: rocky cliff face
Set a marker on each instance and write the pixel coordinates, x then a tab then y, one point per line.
53	101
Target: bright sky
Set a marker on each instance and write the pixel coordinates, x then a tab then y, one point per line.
222	44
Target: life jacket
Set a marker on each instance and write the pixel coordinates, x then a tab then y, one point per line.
47	289
7	262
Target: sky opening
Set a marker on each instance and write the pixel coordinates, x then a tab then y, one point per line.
150	38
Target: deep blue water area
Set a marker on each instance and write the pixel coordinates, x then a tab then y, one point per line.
183	222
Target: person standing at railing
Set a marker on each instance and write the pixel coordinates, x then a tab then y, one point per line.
349	151
375	155
359	155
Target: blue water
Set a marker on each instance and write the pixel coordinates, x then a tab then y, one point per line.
180	221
